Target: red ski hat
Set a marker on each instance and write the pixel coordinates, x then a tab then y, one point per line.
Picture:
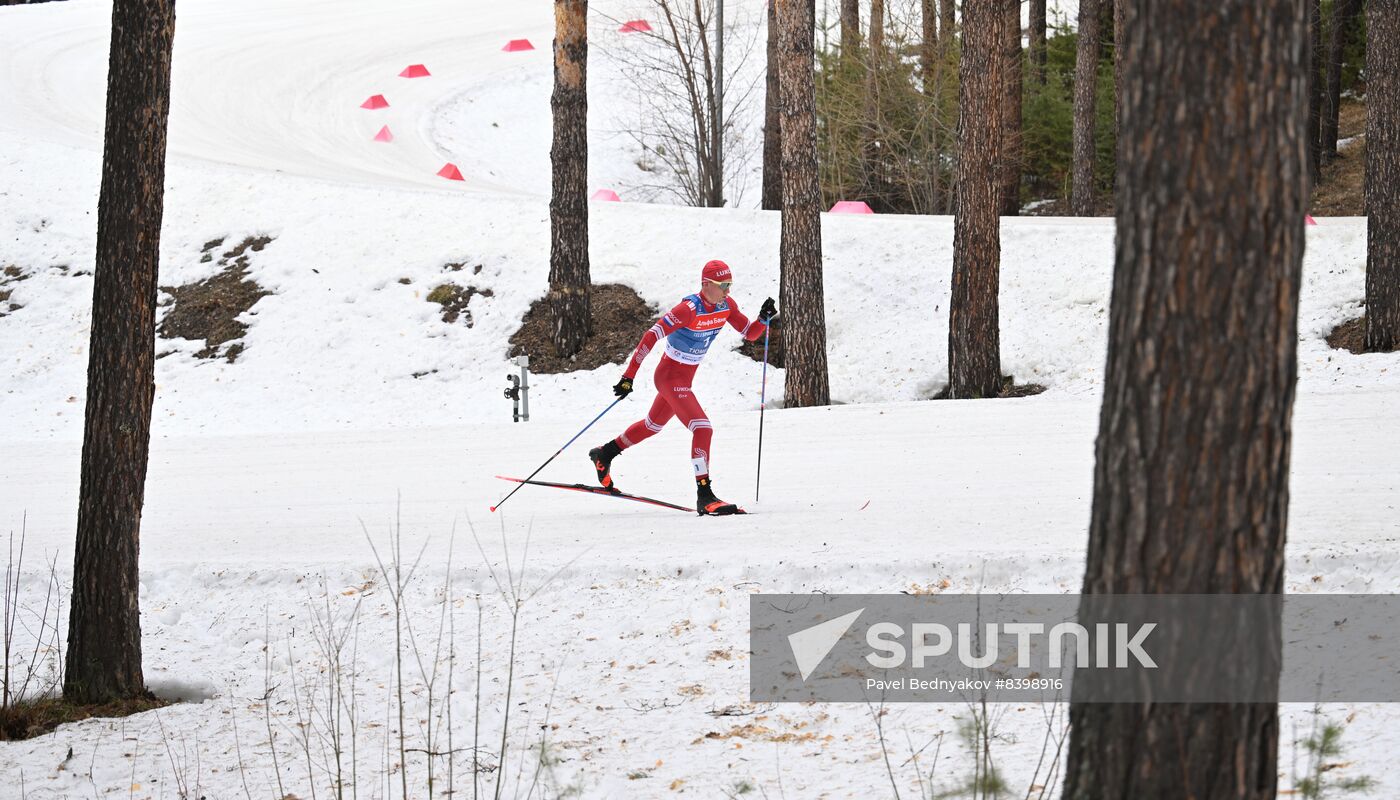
716	271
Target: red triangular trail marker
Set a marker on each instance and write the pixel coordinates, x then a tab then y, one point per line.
851	207
635	26
450	172
517	45
1309	219
384	135
375	102
606	195
415	71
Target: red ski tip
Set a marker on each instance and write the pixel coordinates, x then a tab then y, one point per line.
493	509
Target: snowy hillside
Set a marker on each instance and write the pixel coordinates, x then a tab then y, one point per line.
353	403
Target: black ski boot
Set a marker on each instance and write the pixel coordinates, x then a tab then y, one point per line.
708	505
602	462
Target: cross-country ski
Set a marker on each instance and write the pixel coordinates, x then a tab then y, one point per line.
598	490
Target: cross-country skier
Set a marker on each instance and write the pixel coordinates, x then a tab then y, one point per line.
688	329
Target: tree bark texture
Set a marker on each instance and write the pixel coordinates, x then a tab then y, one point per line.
772	126
1383	175
1315	84
801	296
974	337
877	27
104	624
1117	62
875	186
1011	112
850	26
947	25
1344	14
1192	456
1086	71
568	204
1037	34
931	72
928	43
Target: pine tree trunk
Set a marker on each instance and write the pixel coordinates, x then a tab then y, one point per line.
1086	71
947	37
568	205
850	27
931	71
1117	63
877	26
928	43
947	25
104	627
974	347
1192	454
1344	14
1037	50
1011	113
1315	79
772	128
1383	175
875	186
804	311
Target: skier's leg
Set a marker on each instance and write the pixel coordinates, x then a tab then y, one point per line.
643	428
688	410
693	416
647	426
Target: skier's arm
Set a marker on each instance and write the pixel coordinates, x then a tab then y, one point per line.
680	316
750	330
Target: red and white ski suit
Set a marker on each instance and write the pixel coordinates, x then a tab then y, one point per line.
688	330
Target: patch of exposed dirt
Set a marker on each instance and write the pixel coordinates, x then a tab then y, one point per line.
209	309
458	266
1341	187
208	250
1009	388
1060	207
776	352
620	317
1013	389
1350	336
454	300
28	720
9	276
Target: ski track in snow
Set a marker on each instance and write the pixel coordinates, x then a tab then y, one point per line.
268	475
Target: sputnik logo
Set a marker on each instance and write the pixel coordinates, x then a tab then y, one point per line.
811	645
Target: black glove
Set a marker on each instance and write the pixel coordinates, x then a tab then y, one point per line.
768	311
623	387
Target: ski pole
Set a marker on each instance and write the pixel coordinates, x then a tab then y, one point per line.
556	453
762	404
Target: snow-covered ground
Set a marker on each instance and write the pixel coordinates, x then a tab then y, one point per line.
270	477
